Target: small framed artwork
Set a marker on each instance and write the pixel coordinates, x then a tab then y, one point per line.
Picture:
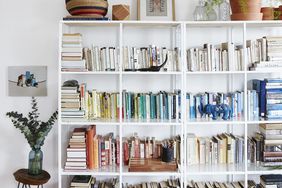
156	10
27	81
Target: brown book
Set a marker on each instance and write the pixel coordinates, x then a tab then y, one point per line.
151	165
271	126
272	154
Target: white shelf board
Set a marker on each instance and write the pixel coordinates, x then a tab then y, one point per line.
209	121
82	121
211	169
214	23
259	121
126	173
90	73
104	171
150	122
258	169
215	72
264	72
151	73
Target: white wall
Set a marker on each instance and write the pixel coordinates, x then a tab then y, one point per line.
29	36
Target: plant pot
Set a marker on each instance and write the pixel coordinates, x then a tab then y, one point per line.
249	16
245	6
97	8
35	162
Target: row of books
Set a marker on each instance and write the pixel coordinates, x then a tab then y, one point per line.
170	183
265	53
269	92
80	181
265	146
220	149
196	103
225	57
88	150
135	59
149	148
210	184
271	181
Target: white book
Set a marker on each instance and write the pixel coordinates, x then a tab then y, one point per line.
112	58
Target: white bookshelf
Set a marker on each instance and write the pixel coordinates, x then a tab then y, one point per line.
182	34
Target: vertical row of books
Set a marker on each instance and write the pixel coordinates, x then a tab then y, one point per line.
146	106
88	150
265	146
220	149
265	53
217	184
265	100
225	57
196	103
80	181
169	183
163	59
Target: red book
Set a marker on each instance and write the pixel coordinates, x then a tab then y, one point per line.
90	146
125	153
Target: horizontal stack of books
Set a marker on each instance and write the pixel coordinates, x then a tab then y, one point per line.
271	181
72	56
195	102
265	147
221	149
79	181
93	151
265	53
269	93
70	103
146	106
135	59
225	57
148	148
237	184
101	58
76	151
170	183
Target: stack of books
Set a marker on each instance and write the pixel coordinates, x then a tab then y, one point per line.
148	106
170	183
271	181
220	149
264	54
94	152
79	181
135	59
269	93
70	103
76	151
265	147
225	57
148	148
195	102
237	184
72	56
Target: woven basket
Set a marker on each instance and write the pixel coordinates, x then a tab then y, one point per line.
97	8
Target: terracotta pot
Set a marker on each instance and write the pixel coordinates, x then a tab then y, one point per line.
249	16
267	11
245	6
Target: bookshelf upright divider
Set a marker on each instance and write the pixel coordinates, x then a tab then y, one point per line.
182	80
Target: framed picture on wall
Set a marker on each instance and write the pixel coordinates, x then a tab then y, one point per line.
156	10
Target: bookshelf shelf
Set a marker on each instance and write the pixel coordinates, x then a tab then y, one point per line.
181	34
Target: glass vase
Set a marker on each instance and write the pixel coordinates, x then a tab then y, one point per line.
224	11
200	12
35	162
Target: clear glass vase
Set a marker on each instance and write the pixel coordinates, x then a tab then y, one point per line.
35	159
200	12
224	11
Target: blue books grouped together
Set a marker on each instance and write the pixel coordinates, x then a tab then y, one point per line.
268	99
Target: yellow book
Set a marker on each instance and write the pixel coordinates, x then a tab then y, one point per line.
96	152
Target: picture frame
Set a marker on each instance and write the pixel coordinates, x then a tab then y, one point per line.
156	10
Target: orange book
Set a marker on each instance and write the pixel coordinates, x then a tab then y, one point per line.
91	131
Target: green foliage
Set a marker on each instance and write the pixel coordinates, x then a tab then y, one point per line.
210	4
34	130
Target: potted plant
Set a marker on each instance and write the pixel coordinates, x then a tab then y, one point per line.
35	132
246	9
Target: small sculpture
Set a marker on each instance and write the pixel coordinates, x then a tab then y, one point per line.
216	110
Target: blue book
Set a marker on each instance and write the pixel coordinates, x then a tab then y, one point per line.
273	80
274	107
259	86
192	107
274	90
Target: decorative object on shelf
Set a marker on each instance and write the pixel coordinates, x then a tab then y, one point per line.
216	110
167	154
151	165
246	10
85	18
97	8
120	12
23	177
152	68
224	11
156	10
276	13
35	131
268	13
200	12
27	80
